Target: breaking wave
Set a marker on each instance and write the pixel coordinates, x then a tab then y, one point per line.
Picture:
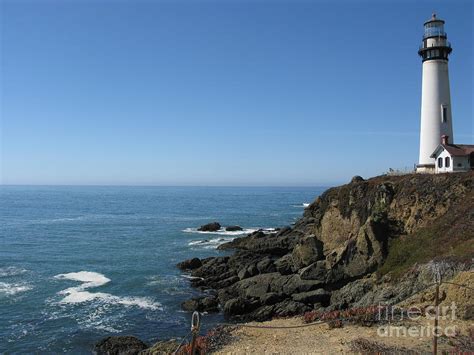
303	205
222	231
226	236
89	279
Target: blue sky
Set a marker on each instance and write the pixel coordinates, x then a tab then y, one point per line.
219	92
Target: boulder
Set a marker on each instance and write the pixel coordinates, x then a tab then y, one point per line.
351	293
190	264
210	227
284	265
120	345
314	271
307	251
289	308
277	244
238	306
233	228
312	297
266	265
201	304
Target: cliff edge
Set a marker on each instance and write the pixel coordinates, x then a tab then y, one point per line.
347	250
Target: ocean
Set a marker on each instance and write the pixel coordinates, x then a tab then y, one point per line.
81	263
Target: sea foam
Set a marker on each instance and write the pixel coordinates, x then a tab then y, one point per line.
11	271
10	289
89	279
221	231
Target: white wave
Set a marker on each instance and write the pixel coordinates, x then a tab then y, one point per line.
89	279
210	244
221	231
303	205
192	277
10	289
227	236
11	271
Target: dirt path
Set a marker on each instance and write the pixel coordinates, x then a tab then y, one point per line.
319	339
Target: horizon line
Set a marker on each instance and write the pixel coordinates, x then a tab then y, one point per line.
151	185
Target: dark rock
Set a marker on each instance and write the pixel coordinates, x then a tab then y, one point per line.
256	287
201	304
266	265
272	298
190	264
120	345
289	308
291	284
311	297
351	293
357	178
307	251
314	271
233	228
226	282
277	244
284	265
210	227
237	306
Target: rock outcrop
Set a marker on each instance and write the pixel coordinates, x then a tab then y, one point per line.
330	257
120	345
210	227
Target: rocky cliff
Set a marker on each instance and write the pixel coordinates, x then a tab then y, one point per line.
347	249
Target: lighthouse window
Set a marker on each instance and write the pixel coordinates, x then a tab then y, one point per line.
440	162
447	162
444	113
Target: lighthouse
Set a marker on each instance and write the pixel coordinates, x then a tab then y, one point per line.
436	118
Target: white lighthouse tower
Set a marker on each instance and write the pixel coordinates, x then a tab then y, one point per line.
436	119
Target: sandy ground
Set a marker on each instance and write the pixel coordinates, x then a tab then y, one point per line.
319	339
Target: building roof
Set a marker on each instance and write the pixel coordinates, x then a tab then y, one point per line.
456	150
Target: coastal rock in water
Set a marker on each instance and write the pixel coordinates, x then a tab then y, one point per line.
210	227
201	304
120	345
258	242
233	228
190	264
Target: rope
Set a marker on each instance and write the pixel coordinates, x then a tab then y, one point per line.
284	327
182	343
328	320
459	285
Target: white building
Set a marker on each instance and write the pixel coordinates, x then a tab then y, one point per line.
436	118
453	157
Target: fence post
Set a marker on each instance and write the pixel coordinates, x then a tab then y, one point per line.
195	325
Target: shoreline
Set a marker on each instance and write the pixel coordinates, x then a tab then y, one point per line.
362	244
